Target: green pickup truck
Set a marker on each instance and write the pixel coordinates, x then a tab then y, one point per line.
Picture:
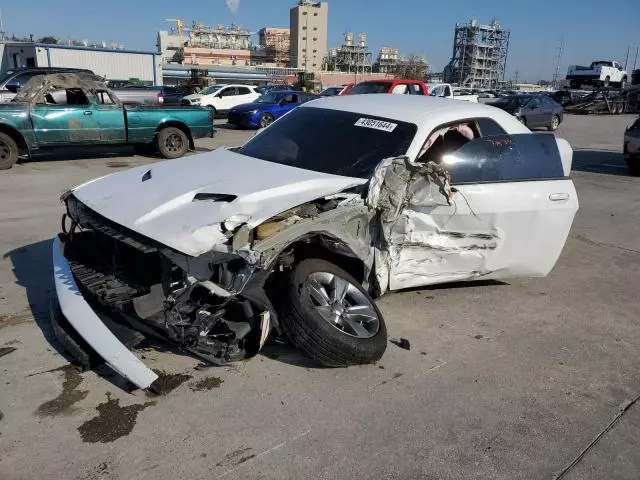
64	110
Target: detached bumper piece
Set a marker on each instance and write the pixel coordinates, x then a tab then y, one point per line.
86	323
116	288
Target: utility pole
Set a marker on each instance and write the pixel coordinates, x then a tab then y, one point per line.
515	77
556	71
635	59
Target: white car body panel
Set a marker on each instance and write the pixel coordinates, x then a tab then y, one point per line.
224	103
162	208
82	317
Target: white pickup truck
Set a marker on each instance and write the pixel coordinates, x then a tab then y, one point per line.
445	90
601	73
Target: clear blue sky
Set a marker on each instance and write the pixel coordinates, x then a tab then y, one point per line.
592	29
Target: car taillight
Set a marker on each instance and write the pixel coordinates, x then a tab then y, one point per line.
160	99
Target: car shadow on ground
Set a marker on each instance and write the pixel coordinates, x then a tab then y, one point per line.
600	161
68	153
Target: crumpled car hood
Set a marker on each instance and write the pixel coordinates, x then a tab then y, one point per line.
158	200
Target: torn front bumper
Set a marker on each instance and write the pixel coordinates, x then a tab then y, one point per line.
81	317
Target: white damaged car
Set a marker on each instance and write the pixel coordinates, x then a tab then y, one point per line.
336	203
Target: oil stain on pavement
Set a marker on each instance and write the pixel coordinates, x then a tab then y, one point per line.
70	395
206	384
112	422
167	382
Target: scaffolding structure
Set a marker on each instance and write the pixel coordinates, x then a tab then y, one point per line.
387	61
276	43
351	56
234	37
479	55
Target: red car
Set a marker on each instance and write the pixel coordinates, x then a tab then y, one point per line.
409	87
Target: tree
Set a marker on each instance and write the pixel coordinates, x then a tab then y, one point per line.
49	40
411	67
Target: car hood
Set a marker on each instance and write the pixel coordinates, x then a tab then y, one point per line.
245	107
159	200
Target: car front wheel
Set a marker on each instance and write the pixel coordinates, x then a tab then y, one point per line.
330	317
555	123
172	142
265	120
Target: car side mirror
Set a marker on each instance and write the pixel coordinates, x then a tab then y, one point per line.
13	86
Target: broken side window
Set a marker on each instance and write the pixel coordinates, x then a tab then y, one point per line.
504	158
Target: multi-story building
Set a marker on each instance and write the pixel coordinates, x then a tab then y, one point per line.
308	22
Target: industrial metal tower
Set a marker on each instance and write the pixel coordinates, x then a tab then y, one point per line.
479	55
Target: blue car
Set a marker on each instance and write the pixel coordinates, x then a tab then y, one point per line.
267	108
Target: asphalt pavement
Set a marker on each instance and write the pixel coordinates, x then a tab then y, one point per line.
519	380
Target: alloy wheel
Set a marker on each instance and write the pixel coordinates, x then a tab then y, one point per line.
342	305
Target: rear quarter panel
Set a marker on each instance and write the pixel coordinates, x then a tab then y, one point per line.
143	122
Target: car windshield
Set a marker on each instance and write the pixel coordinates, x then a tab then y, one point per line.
270	97
211	89
510	102
370	87
343	143
6	75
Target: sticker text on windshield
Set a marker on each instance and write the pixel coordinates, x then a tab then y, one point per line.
377	124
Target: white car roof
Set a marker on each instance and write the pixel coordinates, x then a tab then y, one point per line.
407	108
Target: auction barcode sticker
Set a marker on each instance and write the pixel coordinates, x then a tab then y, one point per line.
377	124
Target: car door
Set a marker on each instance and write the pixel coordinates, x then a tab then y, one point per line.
534	113
109	115
509	215
229	98
65	117
286	104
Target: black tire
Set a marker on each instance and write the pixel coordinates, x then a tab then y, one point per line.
172	142
9	151
317	337
265	120
634	168
555	123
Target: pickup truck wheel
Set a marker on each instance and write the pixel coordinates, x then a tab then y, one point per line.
329	316
172	142
8	151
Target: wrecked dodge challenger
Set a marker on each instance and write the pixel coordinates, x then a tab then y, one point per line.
298	230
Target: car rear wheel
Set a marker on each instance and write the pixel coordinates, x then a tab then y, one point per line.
265	120
555	123
330	317
172	142
8	151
